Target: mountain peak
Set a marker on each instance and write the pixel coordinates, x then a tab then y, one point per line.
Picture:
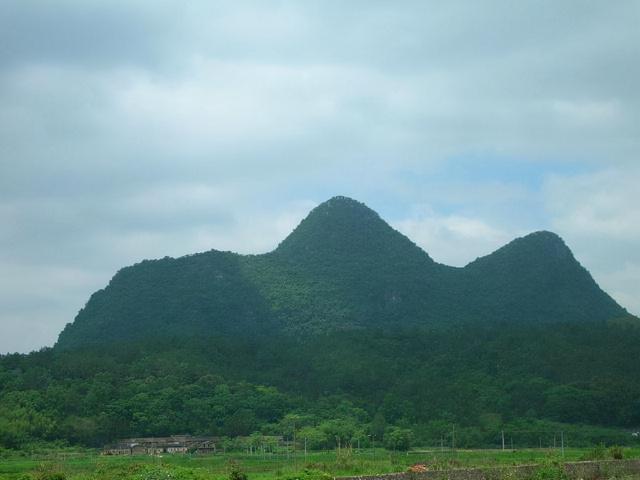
530	251
344	200
342	267
344	226
544	244
544	236
341	205
539	274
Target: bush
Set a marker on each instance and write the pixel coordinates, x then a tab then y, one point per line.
396	438
50	476
310	474
551	471
616	452
344	460
599	452
47	472
235	472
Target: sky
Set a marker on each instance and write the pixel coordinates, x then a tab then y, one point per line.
133	130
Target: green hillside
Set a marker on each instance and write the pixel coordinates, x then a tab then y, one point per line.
342	268
347	330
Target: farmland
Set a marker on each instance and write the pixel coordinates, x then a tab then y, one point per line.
89	464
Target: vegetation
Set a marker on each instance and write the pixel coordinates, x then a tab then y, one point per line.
342	269
313	466
551	470
399	388
347	334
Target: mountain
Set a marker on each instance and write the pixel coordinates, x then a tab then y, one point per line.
342	268
342	229
345	331
200	294
536	278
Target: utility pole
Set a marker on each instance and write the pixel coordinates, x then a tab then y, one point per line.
373	445
453	438
295	464
503	440
562	443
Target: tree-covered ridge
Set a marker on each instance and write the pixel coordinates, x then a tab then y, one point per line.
535	278
347	330
342	268
344	229
347	385
202	294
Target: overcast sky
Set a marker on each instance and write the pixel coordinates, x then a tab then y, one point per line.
132	130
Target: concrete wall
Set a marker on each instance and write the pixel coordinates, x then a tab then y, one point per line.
575	470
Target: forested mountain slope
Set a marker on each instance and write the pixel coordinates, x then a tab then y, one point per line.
347	330
342	268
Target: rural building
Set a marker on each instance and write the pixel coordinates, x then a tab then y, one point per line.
159	445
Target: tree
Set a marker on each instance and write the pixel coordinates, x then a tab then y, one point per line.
396	438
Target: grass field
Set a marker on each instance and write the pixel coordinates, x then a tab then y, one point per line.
90	465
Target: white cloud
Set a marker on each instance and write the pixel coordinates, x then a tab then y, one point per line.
452	239
621	283
38	300
603	203
91	240
599	216
588	113
162	128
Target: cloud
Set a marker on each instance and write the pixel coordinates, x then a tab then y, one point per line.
37	299
133	130
453	239
90	33
621	283
599	215
59	251
600	204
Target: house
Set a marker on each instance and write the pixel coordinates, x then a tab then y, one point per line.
117	449
159	445
207	446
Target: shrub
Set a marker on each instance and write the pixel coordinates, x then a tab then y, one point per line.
50	476
235	472
616	452
550	471
599	452
344	460
48	472
310	474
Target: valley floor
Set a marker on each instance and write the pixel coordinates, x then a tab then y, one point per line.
313	466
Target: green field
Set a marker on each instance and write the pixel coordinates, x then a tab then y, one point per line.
57	465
